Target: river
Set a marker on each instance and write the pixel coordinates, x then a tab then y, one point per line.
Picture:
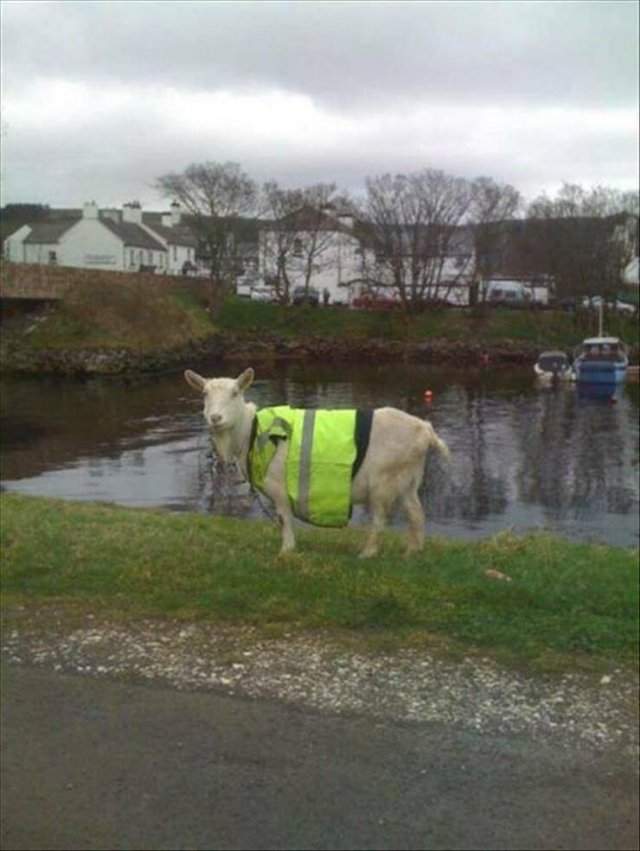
522	457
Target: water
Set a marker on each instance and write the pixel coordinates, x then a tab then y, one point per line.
523	457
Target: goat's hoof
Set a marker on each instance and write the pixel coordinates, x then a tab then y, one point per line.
284	553
412	551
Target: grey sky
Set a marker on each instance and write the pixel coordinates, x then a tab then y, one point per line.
100	98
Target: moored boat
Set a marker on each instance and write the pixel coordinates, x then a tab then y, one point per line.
601	360
553	366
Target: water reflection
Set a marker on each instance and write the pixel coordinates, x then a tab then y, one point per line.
522	456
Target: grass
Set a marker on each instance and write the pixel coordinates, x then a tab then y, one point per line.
144	316
492	326
567	603
139	317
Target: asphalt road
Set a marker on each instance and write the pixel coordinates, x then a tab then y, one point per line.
90	763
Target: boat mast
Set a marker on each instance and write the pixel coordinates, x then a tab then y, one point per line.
600	334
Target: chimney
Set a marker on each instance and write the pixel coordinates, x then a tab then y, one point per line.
172	219
90	210
132	213
345	219
112	215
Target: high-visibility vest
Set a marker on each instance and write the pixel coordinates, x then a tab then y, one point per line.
320	459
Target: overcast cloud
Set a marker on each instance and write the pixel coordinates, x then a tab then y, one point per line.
100	98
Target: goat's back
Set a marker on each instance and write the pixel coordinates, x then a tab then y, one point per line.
396	454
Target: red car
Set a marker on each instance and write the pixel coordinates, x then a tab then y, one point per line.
375	302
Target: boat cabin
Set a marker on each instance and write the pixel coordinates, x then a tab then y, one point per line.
602	349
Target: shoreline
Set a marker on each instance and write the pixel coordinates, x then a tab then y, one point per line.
91	361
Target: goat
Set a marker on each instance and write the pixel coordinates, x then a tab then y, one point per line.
391	469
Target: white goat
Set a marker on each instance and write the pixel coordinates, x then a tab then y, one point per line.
391	471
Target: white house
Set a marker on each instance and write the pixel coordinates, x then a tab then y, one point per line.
631	274
345	258
326	241
116	240
178	240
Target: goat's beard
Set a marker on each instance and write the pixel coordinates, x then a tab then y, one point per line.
216	430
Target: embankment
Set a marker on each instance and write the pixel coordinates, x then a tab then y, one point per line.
113	323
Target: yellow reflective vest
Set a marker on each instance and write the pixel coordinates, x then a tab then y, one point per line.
322	451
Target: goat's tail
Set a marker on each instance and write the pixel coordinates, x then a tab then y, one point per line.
436	442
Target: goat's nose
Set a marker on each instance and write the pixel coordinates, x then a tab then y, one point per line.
215	419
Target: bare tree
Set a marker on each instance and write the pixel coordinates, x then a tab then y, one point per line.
492	204
277	243
585	238
213	194
415	242
296	244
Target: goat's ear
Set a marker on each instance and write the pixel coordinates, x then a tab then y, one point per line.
195	380
244	380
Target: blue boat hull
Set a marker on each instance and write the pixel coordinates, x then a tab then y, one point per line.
596	372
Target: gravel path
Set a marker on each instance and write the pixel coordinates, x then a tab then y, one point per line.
318	671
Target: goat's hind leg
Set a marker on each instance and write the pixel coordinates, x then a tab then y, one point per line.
415	517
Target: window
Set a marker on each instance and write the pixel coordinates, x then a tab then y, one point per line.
150	258
297	247
53	258
175	252
132	257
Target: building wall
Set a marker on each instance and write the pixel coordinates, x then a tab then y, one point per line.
177	255
90	245
41	253
135	257
337	264
452	286
13	248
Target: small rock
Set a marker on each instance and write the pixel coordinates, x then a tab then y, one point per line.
496	574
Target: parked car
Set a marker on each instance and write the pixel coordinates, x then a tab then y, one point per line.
261	294
304	295
372	301
609	304
569	305
515	298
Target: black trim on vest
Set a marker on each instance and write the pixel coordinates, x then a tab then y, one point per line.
364	418
252	440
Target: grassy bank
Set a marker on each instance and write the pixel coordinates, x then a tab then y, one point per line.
136	316
566	603
141	317
492	326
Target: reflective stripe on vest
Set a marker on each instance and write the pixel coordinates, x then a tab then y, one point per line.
320	458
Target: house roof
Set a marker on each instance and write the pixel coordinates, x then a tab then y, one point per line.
133	235
308	218
47	233
176	235
430	239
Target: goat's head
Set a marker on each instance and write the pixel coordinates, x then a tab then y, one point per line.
223	399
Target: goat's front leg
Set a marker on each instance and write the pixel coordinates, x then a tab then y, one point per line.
275	486
378	510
